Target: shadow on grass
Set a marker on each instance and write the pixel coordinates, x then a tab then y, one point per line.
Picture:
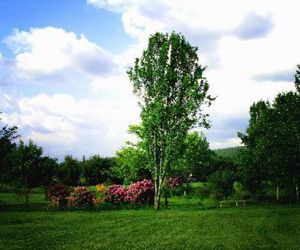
102	207
110	207
20	207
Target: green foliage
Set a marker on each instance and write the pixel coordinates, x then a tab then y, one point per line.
69	171
91	171
220	182
29	169
97	169
169	81
272	142
232	153
239	191
197	157
131	164
7	146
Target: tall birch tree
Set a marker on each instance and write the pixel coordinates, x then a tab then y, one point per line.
169	82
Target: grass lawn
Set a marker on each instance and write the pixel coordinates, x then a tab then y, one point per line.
12	199
187	226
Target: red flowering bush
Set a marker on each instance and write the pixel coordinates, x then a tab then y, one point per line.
141	192
57	195
174	182
81	197
115	194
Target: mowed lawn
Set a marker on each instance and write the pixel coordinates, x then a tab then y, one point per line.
181	227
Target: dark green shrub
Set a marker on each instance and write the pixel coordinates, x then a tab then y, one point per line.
220	184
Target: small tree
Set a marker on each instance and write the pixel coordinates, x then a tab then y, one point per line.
220	182
169	81
131	164
29	169
7	146
257	158
197	157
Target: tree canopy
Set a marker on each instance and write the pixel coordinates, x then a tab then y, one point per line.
272	142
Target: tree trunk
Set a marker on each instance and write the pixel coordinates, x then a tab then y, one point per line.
277	193
166	198
26	199
297	192
157	198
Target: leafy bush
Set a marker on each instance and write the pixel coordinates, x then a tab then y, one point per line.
5	188
239	191
202	191
220	184
57	195
116	194
81	197
141	192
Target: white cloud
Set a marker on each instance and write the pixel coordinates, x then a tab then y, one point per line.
96	121
78	126
231	142
238	40
46	51
5	100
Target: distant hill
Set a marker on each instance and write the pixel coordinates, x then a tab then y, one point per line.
228	152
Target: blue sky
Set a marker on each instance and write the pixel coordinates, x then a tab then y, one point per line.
98	25
63	64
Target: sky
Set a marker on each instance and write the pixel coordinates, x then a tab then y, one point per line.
63	64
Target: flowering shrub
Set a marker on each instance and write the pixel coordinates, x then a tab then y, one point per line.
97	201
174	182
57	195
81	197
141	192
100	188
115	194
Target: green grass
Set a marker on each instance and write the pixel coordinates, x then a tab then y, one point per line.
233	228
12	199
187	224
197	184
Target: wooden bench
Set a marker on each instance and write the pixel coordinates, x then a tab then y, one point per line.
228	203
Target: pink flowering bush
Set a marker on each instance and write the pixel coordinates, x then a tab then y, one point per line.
57	195
141	192
81	197
115	194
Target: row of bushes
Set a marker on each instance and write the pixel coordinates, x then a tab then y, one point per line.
141	192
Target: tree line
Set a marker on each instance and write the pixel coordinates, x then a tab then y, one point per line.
23	166
172	91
